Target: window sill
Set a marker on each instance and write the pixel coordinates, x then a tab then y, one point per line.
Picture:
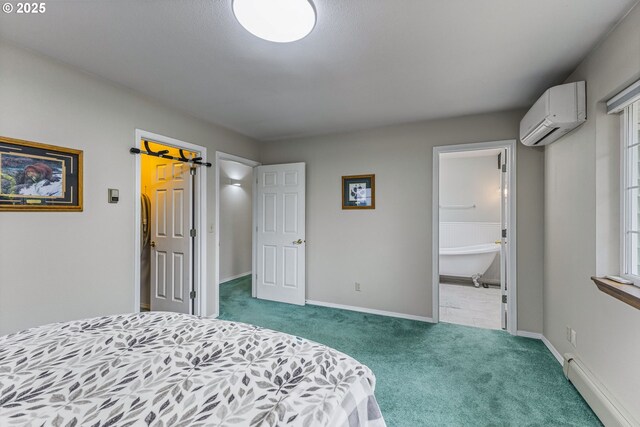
629	294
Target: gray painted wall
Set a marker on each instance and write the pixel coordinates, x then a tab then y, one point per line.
63	266
236	220
388	250
582	173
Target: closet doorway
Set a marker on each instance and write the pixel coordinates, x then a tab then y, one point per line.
170	203
474	279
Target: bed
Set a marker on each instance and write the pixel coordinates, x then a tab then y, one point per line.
168	369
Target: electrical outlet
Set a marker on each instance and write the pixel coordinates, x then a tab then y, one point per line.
357	287
574	338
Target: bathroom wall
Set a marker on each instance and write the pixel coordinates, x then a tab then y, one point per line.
236	210
470	179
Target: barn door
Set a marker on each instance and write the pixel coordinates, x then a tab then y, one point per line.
280	233
171	248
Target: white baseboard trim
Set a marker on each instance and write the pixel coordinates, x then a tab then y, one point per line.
237	276
553	350
539	336
371	311
527	334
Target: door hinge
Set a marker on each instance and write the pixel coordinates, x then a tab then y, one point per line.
192	232
192	294
504	168
192	171
504	233
504	299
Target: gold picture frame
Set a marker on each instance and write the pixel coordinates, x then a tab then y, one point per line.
38	177
359	191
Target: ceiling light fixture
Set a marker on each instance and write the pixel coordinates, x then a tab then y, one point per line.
280	21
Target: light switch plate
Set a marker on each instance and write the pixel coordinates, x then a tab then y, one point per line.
113	195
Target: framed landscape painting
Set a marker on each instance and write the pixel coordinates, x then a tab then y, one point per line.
39	177
359	192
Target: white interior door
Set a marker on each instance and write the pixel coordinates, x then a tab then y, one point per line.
280	233
504	253
171	238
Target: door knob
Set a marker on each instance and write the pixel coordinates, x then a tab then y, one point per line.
153	244
298	242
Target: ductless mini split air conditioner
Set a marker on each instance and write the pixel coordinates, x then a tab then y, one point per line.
557	112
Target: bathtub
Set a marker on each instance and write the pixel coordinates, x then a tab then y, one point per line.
468	261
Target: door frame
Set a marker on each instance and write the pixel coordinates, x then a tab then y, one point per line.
200	254
220	156
512	296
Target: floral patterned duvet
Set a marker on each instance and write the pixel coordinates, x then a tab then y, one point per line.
168	369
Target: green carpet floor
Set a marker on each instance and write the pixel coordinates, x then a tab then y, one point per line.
431	374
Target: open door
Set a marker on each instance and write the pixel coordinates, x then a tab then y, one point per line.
280	233
171	237
504	253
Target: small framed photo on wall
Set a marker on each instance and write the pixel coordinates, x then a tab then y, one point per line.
359	192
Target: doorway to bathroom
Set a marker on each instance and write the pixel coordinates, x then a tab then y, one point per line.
474	235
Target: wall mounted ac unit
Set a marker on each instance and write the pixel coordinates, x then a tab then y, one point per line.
558	111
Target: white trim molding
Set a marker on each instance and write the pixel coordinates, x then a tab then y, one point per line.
545	341
512	296
553	350
623	99
237	276
371	311
527	334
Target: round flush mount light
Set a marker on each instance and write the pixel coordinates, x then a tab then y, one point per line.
280	21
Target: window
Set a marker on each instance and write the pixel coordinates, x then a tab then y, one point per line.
631	192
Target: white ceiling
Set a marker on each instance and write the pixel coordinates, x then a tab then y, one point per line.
367	62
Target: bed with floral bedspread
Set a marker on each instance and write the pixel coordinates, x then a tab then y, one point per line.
168	369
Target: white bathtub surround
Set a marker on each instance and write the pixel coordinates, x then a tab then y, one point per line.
468	261
466	305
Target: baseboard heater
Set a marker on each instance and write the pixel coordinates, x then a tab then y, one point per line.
599	399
